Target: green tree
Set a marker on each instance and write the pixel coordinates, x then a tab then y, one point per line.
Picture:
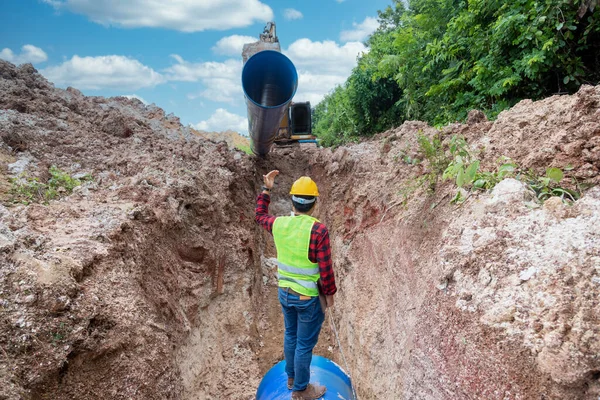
435	60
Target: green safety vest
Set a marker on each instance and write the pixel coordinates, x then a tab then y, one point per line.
292	240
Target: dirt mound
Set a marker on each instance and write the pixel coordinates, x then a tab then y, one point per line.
233	139
558	131
150	280
102	287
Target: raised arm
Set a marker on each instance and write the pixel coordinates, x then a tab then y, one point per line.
262	216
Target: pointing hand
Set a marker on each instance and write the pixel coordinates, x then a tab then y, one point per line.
269	179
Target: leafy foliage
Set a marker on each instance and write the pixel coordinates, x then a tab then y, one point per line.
456	162
434	153
435	60
548	186
464	168
30	190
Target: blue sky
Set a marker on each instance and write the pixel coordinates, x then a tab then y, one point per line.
184	55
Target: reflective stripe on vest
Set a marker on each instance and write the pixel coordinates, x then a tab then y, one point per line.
305	284
292	240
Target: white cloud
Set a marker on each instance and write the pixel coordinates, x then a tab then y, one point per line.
135	96
326	57
182	15
222	80
322	66
232	45
29	54
313	87
223	120
361	31
290	14
339	1
103	72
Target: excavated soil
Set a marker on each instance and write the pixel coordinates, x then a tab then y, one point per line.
152	281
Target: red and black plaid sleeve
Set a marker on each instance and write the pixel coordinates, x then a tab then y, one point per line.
262	216
320	252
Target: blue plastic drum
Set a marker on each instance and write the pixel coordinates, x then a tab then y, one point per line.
322	371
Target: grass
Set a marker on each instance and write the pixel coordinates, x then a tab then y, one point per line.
244	148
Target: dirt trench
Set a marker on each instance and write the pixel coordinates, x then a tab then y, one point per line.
152	281
147	281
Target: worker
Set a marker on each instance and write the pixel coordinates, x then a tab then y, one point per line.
304	267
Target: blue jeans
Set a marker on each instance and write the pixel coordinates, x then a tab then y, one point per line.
303	320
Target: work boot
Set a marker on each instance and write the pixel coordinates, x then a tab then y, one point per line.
290	383
312	392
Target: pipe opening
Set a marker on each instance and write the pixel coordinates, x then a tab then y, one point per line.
269	79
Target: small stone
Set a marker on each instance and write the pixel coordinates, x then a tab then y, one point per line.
19	166
7	238
527	274
466	296
80	175
476	117
554	206
484	277
509	191
443	285
59	304
29	299
134	214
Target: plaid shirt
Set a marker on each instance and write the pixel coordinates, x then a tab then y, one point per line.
319	250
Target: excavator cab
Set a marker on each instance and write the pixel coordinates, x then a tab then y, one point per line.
296	126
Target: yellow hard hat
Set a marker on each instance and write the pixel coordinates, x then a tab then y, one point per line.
305	186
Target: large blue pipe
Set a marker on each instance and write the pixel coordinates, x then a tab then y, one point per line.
269	80
322	371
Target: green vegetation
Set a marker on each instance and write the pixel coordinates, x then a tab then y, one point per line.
59	334
455	161
28	190
434	152
434	60
406	158
548	186
244	148
464	168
